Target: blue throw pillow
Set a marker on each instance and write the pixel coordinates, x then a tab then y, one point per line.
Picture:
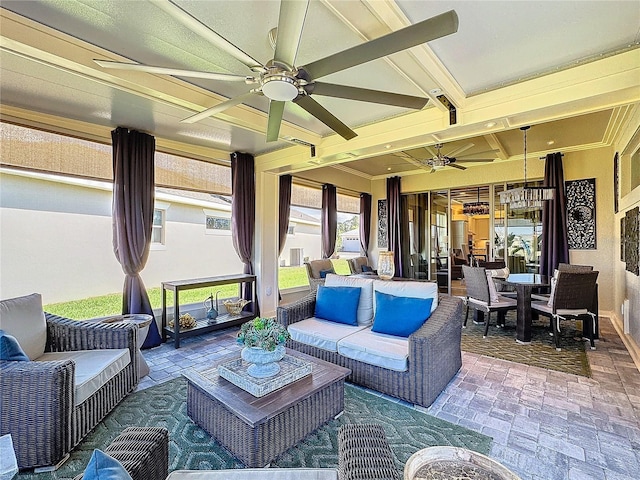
324	273
366	268
400	316
10	349
103	467
338	304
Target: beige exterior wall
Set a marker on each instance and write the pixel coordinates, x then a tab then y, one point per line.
56	239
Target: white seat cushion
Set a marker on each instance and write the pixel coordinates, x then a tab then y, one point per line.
257	474
94	368
545	308
321	333
386	351
23	318
407	289
502	302
365	304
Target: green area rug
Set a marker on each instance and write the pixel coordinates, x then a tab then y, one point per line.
501	343
407	429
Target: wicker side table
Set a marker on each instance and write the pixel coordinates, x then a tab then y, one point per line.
365	454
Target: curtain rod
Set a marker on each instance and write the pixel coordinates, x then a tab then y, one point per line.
542	158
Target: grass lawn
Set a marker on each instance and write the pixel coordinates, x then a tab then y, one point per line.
111	304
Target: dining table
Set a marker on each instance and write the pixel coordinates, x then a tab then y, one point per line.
524	284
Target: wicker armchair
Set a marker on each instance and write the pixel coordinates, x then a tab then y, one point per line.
317	270
434	353
37	404
356	264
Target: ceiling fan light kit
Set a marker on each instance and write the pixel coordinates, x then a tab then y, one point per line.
280	81
526	197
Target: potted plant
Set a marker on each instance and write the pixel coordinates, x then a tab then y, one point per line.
263	340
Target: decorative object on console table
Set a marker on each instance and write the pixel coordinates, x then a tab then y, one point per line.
581	214
383	241
234	307
263	340
386	268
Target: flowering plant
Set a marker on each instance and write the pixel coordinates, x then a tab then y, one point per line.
265	333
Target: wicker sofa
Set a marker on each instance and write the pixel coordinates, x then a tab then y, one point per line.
39	403
434	354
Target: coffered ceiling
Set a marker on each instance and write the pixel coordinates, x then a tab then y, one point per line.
571	69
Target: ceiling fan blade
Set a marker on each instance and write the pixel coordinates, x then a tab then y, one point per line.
326	117
459	167
459	150
276	110
430	151
199	28
217	108
366	95
471	160
421	32
290	23
226	77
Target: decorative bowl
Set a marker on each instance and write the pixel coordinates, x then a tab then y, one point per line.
234	307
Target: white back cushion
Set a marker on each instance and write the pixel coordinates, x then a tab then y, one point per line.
408	289
23	318
493	291
365	305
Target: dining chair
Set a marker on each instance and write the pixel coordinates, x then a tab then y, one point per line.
483	296
563	267
571	297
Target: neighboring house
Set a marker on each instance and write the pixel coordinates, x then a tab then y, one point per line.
56	237
351	241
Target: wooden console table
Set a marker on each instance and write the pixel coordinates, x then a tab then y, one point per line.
202	324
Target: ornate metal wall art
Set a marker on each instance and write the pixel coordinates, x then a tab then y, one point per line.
581	214
383	238
632	240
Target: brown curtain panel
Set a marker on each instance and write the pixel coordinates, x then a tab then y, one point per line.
394	221
555	244
365	222
133	199
243	212
284	210
329	220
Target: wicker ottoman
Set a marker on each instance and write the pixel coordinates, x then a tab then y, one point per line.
142	451
365	454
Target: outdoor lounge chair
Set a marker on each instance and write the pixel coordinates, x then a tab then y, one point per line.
75	374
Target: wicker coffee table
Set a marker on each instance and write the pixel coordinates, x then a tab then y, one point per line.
258	429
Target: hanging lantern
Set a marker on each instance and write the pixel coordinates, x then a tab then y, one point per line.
386	268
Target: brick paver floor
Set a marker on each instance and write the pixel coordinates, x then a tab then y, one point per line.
545	424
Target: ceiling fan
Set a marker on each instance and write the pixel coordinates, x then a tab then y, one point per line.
280	81
438	160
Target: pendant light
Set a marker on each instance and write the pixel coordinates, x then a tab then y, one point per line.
526	197
476	208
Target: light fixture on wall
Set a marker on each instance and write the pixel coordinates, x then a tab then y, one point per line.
526	197
476	208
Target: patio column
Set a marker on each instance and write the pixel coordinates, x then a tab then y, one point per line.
266	241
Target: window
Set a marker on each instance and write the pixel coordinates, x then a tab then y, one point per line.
291	230
157	229
218	223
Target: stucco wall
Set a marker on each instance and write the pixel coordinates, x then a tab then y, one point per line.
56	239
